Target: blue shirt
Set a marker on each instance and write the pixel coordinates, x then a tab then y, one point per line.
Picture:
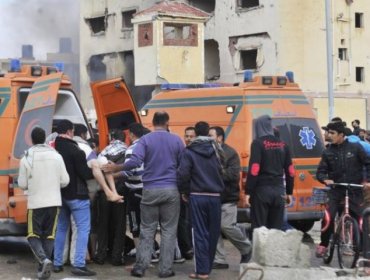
160	152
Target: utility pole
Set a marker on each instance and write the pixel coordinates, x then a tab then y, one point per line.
329	58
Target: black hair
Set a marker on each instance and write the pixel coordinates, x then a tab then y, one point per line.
336	119
356	121
276	132
137	129
93	142
117	134
219	131
160	118
38	135
190	128
201	128
63	126
80	129
337	126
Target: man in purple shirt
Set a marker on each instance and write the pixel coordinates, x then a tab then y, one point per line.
160	152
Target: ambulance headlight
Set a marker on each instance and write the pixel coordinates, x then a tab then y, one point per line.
230	109
144	112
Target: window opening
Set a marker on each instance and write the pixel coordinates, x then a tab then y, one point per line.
359	20
343	54
177	34
248	59
360	74
126	18
246	4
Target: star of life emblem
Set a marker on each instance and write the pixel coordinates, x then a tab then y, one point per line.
307	138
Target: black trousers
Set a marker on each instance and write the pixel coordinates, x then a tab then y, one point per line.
41	231
184	236
111	227
133	210
267	207
335	205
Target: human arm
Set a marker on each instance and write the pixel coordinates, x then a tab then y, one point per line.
137	157
322	170
23	175
289	172
231	172
64	176
254	167
184	173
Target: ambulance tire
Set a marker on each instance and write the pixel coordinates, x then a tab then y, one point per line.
303	225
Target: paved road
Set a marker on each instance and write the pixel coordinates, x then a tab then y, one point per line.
16	262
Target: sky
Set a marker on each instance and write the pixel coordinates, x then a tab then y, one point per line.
39	23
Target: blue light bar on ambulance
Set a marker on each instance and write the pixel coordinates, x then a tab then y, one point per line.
248	76
290	76
59	66
15	65
189	86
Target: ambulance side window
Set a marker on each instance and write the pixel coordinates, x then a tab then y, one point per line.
22	97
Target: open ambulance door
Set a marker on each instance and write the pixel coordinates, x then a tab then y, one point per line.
37	111
114	106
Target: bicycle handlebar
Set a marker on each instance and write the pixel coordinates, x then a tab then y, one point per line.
357	186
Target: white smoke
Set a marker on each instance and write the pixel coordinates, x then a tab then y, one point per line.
39	23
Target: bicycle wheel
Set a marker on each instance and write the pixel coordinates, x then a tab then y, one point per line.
327	258
348	243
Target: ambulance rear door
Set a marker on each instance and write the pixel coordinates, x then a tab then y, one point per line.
115	108
37	111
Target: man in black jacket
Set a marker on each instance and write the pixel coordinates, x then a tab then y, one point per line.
75	201
270	159
229	199
341	162
199	176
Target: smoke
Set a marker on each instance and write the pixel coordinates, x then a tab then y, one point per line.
39	23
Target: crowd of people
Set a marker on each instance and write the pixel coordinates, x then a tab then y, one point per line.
187	191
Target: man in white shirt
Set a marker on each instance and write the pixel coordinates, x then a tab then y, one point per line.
42	172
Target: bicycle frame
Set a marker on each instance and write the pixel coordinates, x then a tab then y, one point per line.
327	218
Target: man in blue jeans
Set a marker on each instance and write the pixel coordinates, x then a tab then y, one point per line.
75	201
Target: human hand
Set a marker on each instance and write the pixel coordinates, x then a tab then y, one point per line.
328	182
109	167
184	197
367	186
247	203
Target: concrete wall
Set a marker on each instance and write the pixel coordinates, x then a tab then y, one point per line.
289	35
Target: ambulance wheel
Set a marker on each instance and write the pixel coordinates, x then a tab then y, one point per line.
303	225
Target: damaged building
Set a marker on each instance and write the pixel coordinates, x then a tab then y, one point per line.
268	37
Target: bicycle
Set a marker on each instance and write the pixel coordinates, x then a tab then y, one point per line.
346	236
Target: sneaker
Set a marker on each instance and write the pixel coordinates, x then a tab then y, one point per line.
179	260
45	269
58	268
246	257
135	272
320	251
189	255
82	271
166	274
155	258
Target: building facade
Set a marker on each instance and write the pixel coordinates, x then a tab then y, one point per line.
269	37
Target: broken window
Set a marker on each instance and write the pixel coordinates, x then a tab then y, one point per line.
179	34
342	54
248	59
126	18
97	24
246	4
96	68
211	60
360	74
145	34
204	5
359	20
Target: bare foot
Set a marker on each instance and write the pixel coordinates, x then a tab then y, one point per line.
114	197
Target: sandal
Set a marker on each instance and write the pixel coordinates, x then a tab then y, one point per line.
199	276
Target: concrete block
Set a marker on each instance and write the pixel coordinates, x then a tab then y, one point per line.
280	249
